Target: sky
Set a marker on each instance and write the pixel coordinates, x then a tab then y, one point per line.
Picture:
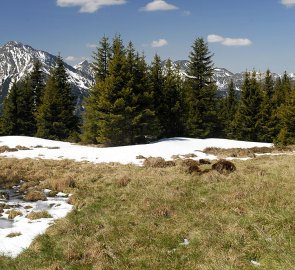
242	34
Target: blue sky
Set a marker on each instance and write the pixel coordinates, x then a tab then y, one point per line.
242	34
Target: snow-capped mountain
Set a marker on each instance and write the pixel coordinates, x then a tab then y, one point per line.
16	60
223	76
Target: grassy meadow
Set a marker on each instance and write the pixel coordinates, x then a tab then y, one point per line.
129	217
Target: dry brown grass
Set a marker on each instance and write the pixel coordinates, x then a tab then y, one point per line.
249	152
19	147
28	185
34	195
5	148
13	234
13	213
123	181
229	220
37	215
157	162
224	166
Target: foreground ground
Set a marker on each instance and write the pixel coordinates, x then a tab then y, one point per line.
129	217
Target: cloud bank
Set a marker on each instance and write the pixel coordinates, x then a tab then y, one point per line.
89	6
159	43
288	3
229	41
159	5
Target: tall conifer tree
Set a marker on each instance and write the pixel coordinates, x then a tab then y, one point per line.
101	58
56	117
245	122
201	92
265	123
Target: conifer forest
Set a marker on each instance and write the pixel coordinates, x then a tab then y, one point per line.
132	102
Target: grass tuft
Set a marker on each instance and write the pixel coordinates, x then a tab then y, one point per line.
37	215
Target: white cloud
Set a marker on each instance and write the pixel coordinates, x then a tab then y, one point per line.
229	41
75	58
215	39
288	3
157	5
90	45
159	43
236	42
89	6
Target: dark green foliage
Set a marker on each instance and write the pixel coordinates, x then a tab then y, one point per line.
245	122
120	108
286	116
265	123
9	115
101	58
20	105
55	116
229	106
18	117
201	67
37	84
172	110
201	93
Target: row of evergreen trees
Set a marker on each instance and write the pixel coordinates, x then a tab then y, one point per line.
33	108
265	112
132	102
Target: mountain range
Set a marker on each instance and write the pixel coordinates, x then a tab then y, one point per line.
16	60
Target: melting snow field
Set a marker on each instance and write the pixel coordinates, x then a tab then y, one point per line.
47	149
58	207
25	229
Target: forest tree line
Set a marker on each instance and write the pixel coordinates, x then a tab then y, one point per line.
132	102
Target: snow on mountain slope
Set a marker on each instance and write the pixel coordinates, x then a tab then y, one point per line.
17	59
47	149
222	76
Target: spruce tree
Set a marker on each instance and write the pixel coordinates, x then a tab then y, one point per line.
229	110
37	83
286	115
25	105
120	110
101	58
245	122
144	120
9	116
265	123
201	93
172	113
112	127
56	117
18	117
157	84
